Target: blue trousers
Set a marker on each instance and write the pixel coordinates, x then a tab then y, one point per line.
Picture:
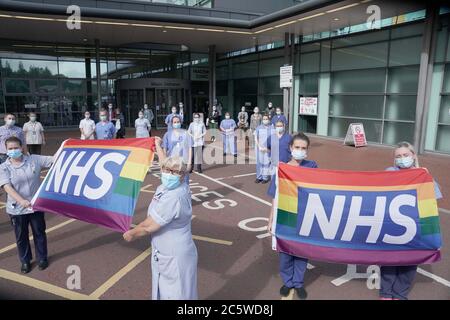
292	270
396	281
37	222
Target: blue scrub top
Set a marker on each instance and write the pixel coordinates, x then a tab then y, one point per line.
105	131
169	117
228	124
437	189
284	151
272	187
182	142
263	133
277	118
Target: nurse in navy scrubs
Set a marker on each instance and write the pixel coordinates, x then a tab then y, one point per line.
292	268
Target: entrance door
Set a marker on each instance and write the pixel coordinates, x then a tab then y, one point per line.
150	100
165	100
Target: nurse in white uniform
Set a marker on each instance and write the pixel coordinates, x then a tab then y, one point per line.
142	126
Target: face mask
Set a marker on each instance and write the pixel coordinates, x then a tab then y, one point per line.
141	116
266	122
227	117
299	154
170	181
174	110
10	122
197	119
214	108
404	163
103	118
256	110
177	125
243	109
32	119
279	129
278	112
110	107
145	107
15	153
87	116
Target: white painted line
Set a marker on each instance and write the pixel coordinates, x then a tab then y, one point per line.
235	189
444	211
434	277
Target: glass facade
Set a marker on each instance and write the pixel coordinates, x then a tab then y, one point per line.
59	83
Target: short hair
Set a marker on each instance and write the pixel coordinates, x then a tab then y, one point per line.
176	117
410	147
174	164
300	136
9	114
279	121
102	110
266	115
13	140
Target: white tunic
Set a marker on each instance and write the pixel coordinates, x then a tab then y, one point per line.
88	126
142	126
33	132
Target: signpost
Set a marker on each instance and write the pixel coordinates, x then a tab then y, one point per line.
308	106
286	77
355	135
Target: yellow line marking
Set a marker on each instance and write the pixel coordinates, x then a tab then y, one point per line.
119	275
144	189
212	240
290	296
43	286
12	246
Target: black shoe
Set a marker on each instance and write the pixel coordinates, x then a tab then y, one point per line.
264	181
26	267
301	293
257	181
235	155
224	154
284	291
200	170
43	264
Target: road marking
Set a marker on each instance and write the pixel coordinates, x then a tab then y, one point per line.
234	189
238	176
119	275
58	226
2	205
290	295
212	240
144	189
434	277
43	286
444	211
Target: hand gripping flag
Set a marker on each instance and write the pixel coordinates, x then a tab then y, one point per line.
96	181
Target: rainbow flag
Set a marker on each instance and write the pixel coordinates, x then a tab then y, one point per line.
382	218
96	181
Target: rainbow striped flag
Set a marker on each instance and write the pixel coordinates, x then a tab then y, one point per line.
382	218
96	181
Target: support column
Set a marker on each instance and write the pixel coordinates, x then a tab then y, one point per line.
324	103
99	76
425	75
212	74
286	90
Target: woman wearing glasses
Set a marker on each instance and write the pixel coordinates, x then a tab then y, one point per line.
174	254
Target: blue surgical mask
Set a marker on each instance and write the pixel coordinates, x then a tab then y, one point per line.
279	129
170	181
15	153
299	154
404	163
177	125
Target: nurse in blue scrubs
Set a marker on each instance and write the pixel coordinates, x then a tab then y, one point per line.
279	116
396	281
227	127
263	134
292	268
280	141
177	143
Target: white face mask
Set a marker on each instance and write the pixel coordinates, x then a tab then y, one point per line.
243	109
141	116
110	106
174	110
87	116
103	118
197	120
33	119
266	122
227	117
256	110
278	112
10	122
145	107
